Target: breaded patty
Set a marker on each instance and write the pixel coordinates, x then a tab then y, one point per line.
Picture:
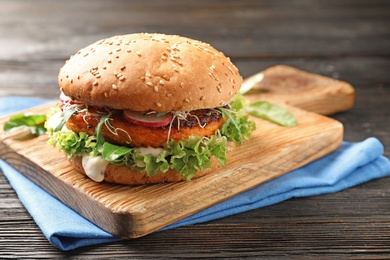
203	122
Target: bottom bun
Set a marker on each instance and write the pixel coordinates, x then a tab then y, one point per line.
123	175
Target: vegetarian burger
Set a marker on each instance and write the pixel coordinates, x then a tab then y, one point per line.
148	108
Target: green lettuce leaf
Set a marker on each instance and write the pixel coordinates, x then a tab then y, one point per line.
72	143
276	114
195	153
116	154
238	127
34	123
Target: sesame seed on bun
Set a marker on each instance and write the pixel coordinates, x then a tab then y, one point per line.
150	72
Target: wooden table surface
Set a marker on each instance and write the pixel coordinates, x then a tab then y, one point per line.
348	40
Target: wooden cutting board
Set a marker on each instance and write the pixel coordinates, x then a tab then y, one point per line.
134	211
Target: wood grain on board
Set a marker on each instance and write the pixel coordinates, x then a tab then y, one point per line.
134	211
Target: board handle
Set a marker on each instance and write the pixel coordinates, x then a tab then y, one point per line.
312	92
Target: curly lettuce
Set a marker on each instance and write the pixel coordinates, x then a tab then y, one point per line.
186	156
238	127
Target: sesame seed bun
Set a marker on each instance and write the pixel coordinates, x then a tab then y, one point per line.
150	72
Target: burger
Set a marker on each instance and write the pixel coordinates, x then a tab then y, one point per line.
148	108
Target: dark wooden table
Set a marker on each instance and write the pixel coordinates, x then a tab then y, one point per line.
349	40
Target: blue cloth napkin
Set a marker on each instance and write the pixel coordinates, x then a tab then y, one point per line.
350	165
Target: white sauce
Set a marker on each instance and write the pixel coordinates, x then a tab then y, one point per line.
94	167
150	150
54	121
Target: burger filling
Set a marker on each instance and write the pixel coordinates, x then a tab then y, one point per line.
121	131
148	142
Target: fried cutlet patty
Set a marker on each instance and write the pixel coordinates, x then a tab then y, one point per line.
203	122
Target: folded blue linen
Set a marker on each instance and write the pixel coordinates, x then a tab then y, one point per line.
350	165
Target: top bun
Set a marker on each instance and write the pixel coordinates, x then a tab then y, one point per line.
150	72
